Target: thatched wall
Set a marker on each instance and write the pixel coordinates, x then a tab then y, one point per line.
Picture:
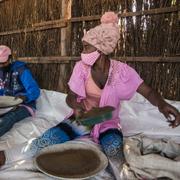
42	31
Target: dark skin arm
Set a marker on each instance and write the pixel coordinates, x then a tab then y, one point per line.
78	107
157	100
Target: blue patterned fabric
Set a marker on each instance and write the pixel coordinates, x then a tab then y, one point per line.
111	142
54	135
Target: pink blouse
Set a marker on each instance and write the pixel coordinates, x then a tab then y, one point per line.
122	83
93	93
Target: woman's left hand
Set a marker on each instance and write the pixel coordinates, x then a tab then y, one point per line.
168	110
21	97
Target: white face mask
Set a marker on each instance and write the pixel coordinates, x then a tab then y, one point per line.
90	58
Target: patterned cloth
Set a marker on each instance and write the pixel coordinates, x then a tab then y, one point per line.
112	142
106	35
52	136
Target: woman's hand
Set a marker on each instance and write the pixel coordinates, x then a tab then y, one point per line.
21	97
78	113
169	110
78	107
157	100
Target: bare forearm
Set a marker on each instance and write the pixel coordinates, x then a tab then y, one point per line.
164	107
155	98
152	96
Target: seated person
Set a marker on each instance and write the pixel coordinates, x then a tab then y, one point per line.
16	80
97	81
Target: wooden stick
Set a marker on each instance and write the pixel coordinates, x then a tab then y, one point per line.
62	22
151	11
26	30
129	14
67	59
66	32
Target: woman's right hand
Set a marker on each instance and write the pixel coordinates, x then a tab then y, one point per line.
79	110
78	113
78	107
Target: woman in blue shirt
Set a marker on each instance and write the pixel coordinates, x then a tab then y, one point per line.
16	80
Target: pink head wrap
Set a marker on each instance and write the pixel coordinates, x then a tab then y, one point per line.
106	35
4	53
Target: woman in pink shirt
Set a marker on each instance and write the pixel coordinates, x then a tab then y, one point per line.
114	80
97	81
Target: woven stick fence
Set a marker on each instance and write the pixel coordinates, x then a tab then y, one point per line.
47	34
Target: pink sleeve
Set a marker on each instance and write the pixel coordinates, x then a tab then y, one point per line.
131	81
76	82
